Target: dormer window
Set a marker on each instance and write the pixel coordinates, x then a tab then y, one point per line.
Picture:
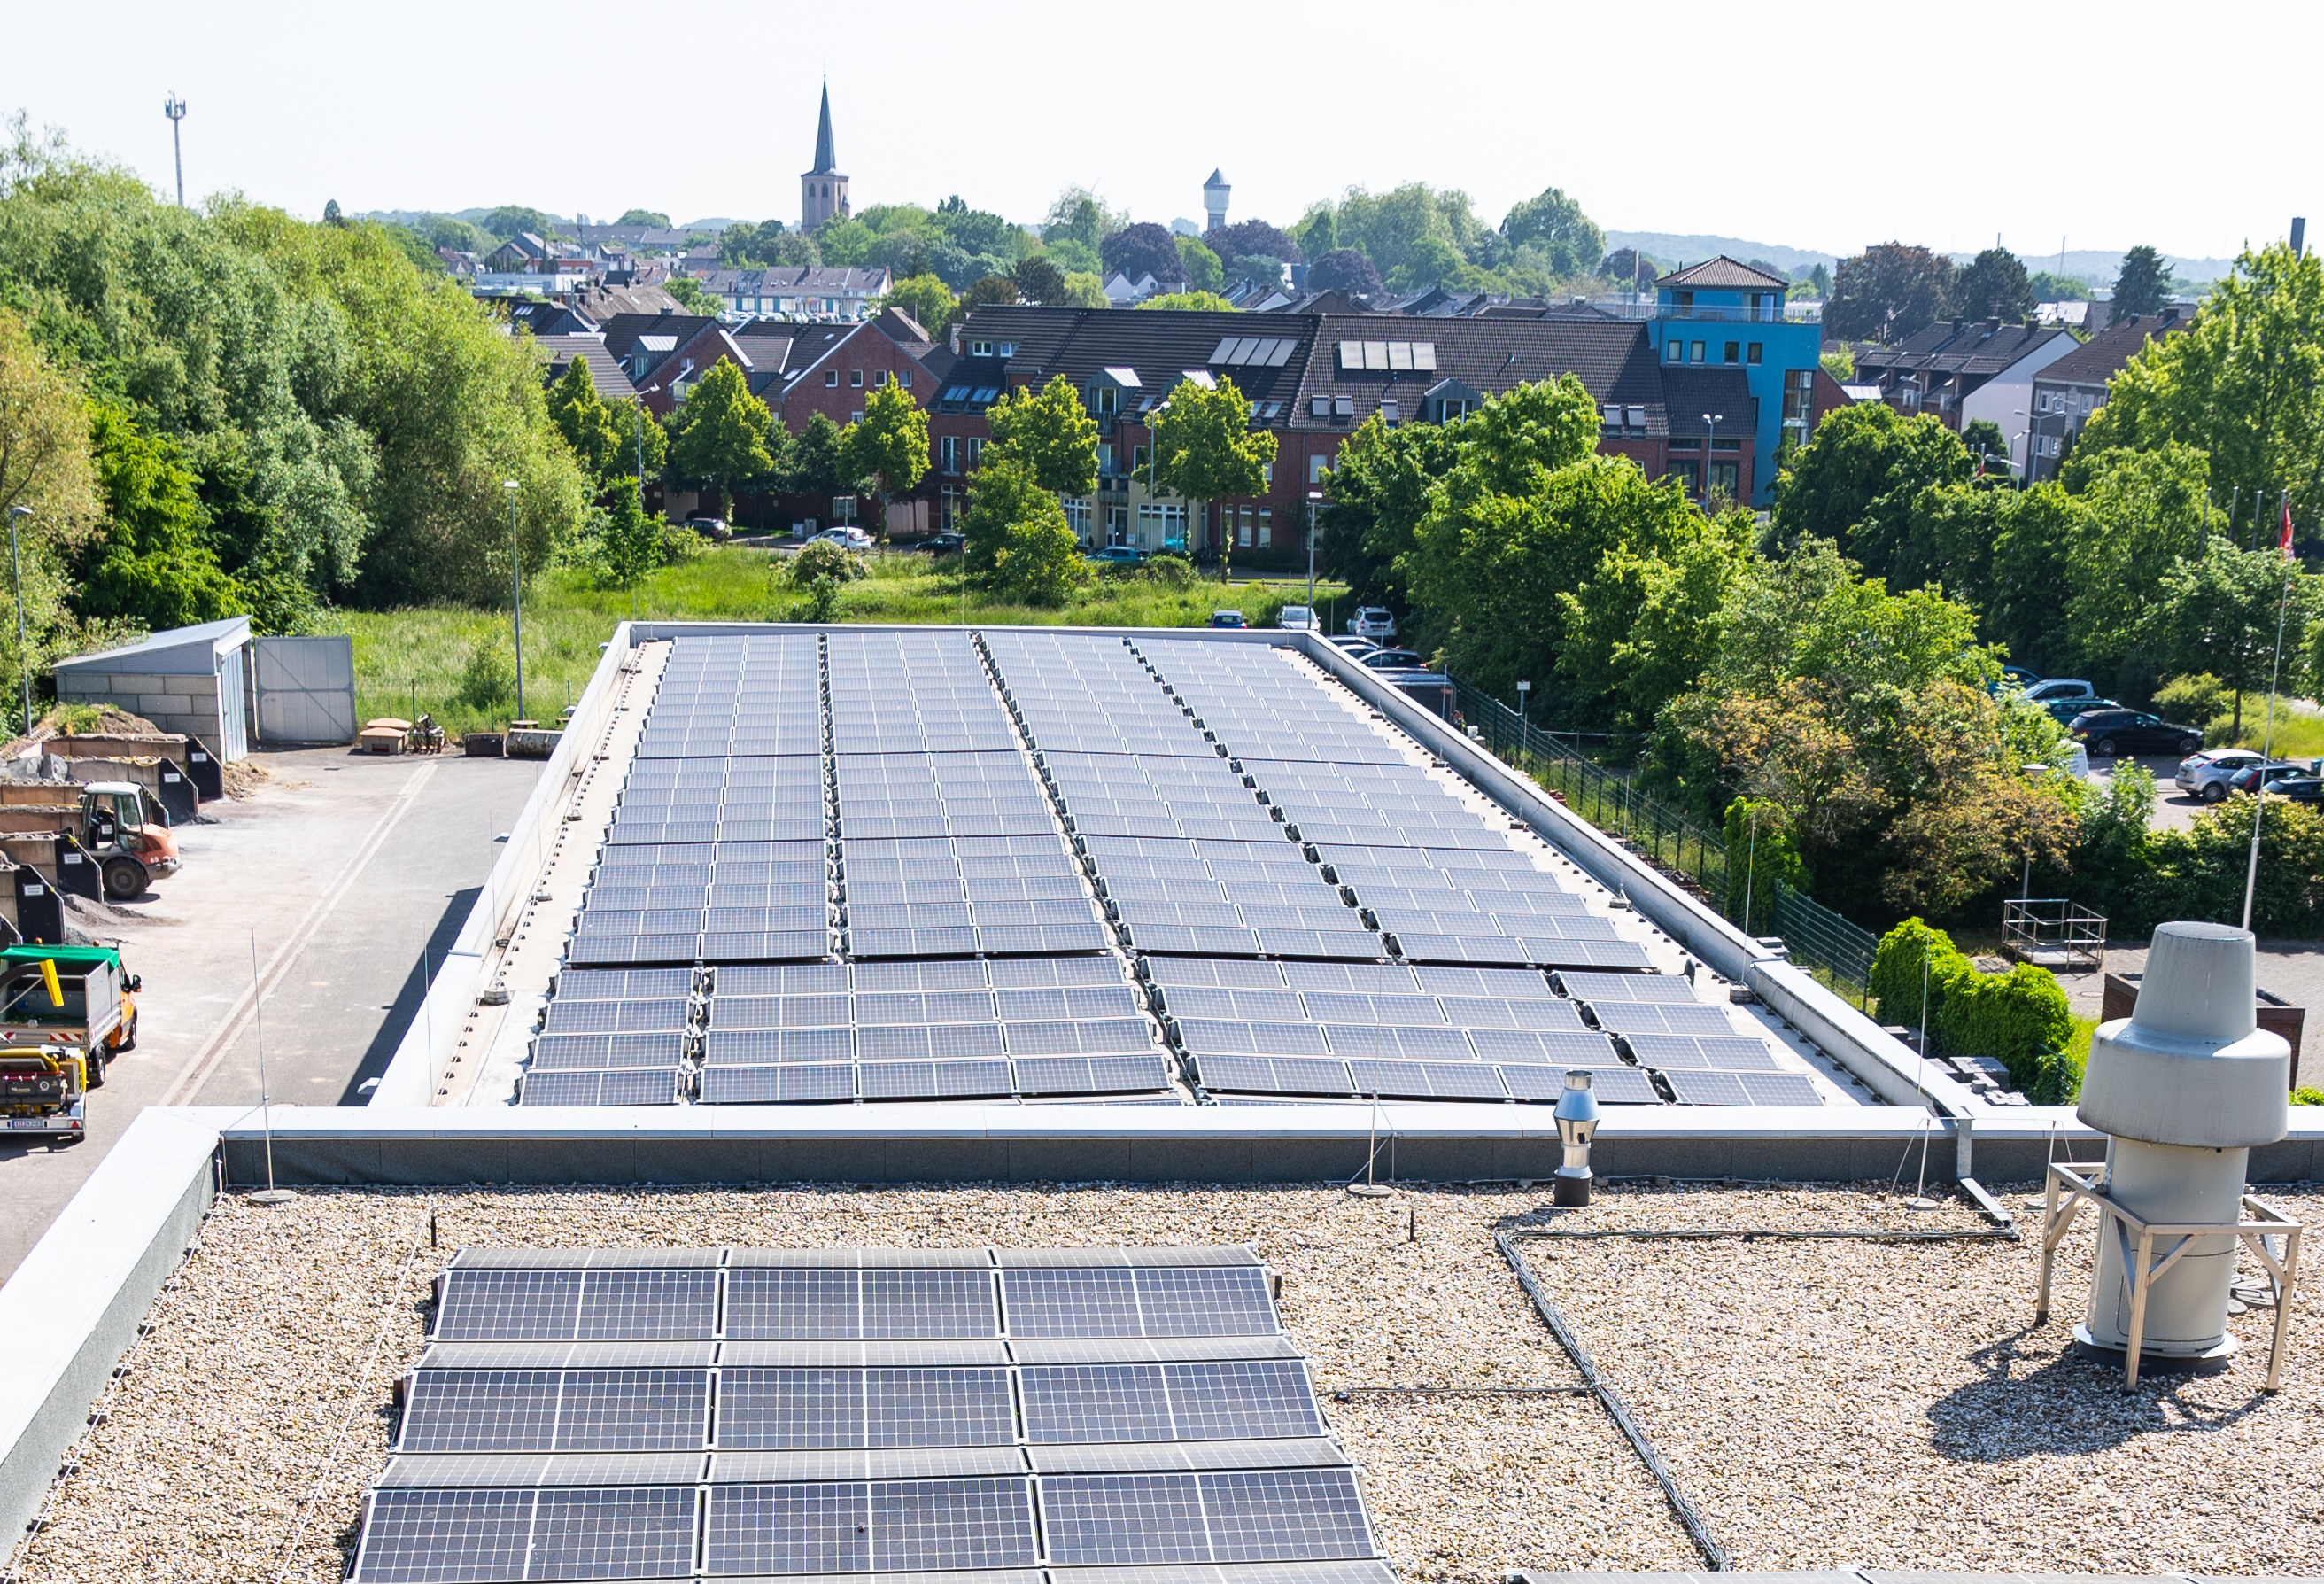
979	348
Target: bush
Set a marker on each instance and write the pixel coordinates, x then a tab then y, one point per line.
2020	1018
1759	852
1895	981
820	570
2304	1095
1169	570
488	679
2200	699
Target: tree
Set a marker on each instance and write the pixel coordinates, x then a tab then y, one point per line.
1189	303
1004	496
1343	269
511	220
628	542
887	445
586	423
993	290
2218	613
691	294
1050	431
1376	493
639	442
2241	383
1039	562
1994	285
1199	266
2142	511
1251	239
925	298
1857	479
1140	250
1839	363
2143	285
820	570
150	563
1556	225
1082	289
720	434
2022	604
1079	216
817	462
1982	438
1040	280
2049	287
1888	293
1265	274
331	216
654	218
1205	448
1628	265
44	443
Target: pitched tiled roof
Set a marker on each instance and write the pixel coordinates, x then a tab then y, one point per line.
1723	273
1689	393
1974	347
848	280
606	370
1157	346
625	331
1614	360
2100	358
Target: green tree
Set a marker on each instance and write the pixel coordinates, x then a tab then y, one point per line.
2141	511
152	563
1841	364
2022	603
1199	267
1888	293
639	440
1004	494
1189	302
1858	480
1040	280
992	290
2143	284
1376	493
887	445
2218	613
1040	562
629	542
925	297
653	218
1557	225
512	218
817	462
1640	630
1050	431
586	423
1982	438
2244	384
1082	218
720	438
1994	285
820	570
692	295
1082	289
1203	447
44	441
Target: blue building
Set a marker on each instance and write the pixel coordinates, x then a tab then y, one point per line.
1723	315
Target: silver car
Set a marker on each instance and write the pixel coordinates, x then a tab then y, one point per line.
2206	774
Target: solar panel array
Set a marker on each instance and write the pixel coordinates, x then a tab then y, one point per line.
837	875
789	1412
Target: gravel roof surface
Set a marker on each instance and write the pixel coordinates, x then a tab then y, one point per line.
1834	1402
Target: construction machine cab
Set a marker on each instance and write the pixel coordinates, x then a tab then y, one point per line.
126	831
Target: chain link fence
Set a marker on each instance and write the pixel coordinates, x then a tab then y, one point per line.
1837	952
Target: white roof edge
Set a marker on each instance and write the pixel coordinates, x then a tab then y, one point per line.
218	636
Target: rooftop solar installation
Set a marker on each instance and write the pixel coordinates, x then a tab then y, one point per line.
979	1413
932	865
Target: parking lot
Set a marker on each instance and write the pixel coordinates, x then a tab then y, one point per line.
346	872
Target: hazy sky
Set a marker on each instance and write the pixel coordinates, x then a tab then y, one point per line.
1819	127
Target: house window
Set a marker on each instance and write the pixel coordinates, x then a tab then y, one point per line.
1266	474
855	378
950	514
1265	526
1734	352
1798	395
979	348
856	416
1242	529
1675	352
1387	412
1137	458
1077	517
1688	476
1318	465
1117	524
1755	353
948	449
1696	352
907	377
843	510
831	379
975	451
1106	398
1105	461
1723	477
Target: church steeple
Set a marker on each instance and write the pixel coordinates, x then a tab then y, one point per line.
822	191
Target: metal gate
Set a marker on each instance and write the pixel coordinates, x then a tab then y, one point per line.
306	688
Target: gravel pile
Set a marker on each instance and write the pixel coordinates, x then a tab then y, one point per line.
1826	1402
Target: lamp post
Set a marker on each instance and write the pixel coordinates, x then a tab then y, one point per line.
1314	499
16	576
516	589
1711	422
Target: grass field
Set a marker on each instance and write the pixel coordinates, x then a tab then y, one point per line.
454	662
2299	728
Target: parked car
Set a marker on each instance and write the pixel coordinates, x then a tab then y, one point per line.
1114	555
1375	622
847	538
1229	618
1295	618
2207	774
2015	678
2064	711
2109	732
2041	692
2270	772
712	528
1395	660
1356	648
941	544
2307	787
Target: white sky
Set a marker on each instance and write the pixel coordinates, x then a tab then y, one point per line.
1822	127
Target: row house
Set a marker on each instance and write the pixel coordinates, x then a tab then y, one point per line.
1963	371
821	293
2067	392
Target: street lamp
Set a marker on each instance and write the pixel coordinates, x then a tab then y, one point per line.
1525	692
16	574
1315	498
516	585
1711	421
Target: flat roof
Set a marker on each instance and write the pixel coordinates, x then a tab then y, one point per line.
157	652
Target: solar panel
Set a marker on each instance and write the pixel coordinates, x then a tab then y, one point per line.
1595	988
1702	1052
1613	1085
1652	1018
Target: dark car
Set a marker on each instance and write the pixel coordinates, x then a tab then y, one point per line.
2064	711
1229	618
2274	773
940	543
2109	732
2306	787
1395	660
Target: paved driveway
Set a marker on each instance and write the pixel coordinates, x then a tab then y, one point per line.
347	871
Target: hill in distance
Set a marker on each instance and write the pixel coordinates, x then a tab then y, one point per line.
2094	266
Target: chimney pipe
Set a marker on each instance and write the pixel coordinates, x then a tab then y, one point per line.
2184	1087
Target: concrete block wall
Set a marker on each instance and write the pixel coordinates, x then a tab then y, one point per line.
187	704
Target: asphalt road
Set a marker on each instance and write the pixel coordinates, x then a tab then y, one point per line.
348	871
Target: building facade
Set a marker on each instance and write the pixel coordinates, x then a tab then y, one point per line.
1964	371
2067	392
1724	316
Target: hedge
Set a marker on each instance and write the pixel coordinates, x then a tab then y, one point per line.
2021	1017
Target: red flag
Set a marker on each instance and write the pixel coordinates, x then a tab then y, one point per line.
2285	544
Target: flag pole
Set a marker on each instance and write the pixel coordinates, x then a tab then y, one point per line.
2267	736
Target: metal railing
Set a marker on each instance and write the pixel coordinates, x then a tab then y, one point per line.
2052	932
1830	947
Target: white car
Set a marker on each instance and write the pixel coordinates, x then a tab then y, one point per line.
847	538
1353	648
1297	618
1372	621
2041	692
2207	774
